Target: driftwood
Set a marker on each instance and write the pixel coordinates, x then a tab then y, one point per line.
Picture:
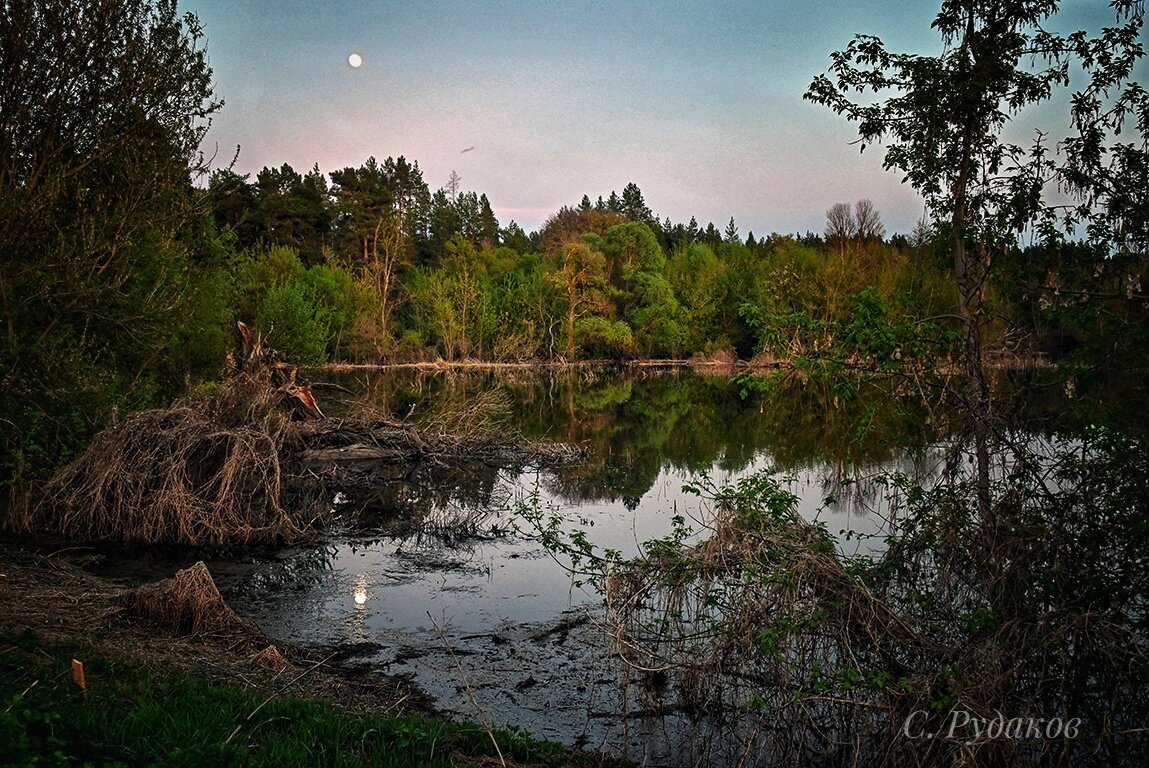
343	447
254	462
257	360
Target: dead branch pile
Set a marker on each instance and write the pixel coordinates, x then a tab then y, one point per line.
186	604
757	610
813	658
214	471
760	626
349	451
254	462
463	431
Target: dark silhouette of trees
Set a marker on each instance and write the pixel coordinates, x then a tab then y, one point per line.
840	226
868	227
103	108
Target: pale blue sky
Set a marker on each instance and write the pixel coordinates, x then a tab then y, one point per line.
698	103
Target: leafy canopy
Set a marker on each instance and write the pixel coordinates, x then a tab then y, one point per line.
104	105
943	119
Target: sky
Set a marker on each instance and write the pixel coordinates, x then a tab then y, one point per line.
536	103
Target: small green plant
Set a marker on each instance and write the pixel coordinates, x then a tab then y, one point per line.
133	718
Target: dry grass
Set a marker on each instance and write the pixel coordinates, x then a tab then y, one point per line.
188	603
209	471
739	623
460	431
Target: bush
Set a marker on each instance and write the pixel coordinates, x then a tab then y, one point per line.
599	337
295	322
348	305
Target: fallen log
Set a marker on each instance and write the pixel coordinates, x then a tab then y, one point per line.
358	447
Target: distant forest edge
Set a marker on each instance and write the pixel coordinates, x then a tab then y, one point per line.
371	266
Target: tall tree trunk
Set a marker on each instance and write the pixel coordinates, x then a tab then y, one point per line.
969	284
571	313
975	386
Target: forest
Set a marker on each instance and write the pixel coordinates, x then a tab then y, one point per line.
128	259
372	266
367	265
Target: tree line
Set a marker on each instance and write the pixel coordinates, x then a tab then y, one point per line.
373	266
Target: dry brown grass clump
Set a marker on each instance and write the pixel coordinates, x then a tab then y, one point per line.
188	603
204	472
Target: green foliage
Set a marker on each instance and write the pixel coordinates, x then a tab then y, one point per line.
578	271
456	302
752	496
294	320
524	304
698	277
309	314
599	337
660	323
94	218
344	302
630	249
132	718
256	274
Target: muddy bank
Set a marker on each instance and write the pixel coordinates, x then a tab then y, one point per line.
55	598
537	666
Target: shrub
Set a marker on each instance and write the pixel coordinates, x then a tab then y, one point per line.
296	323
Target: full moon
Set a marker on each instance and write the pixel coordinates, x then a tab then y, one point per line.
355	60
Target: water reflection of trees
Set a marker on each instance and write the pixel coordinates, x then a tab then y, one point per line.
636	422
433	505
693	423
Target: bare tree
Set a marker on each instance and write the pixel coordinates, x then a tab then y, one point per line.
388	256
868	227
453	182
922	234
840	226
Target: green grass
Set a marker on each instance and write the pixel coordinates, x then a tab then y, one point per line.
132	717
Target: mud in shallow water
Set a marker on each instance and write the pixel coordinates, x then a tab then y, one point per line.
476	627
480	637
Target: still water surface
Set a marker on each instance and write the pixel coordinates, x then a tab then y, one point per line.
438	580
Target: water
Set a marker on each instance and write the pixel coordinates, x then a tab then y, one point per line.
440	581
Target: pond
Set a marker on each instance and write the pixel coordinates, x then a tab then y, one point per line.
439	579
